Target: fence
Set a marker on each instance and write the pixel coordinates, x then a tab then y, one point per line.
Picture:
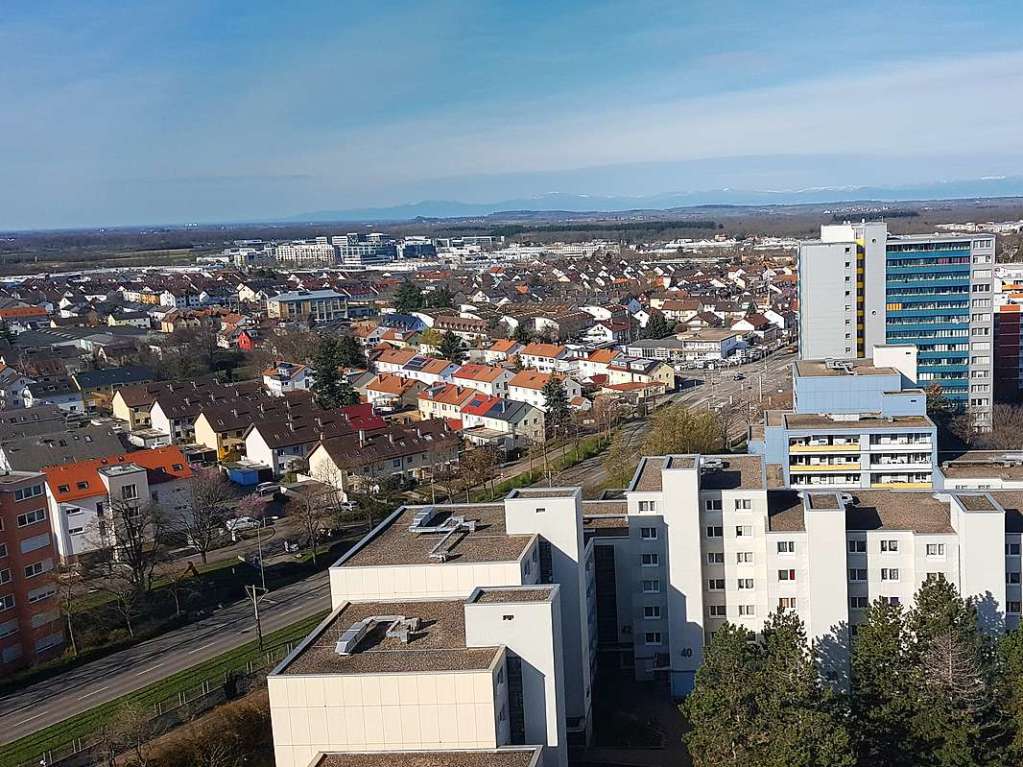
174	710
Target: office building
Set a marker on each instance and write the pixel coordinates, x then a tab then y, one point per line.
316	305
315	252
355	250
854	424
860	287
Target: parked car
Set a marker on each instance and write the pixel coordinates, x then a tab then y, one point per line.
238	524
264	489
739	377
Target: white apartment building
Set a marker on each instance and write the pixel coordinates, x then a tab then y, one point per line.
319	305
527	386
315	251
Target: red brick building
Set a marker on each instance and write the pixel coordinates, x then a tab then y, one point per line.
31	629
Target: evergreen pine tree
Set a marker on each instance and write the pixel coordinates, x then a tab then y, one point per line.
722	708
330	388
656	327
557	414
350	354
407	298
522	334
881	694
800	719
451	348
1009	684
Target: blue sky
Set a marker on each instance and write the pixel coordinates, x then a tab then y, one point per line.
130	113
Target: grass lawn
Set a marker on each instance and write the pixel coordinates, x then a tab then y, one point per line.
214	670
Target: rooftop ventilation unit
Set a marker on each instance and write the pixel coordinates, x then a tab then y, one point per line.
398	627
711	464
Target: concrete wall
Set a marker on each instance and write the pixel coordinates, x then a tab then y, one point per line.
824	319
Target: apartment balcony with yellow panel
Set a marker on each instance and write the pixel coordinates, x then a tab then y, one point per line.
823	467
852	447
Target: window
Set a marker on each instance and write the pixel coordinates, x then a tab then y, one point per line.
129	493
507	617
651	612
83	485
742	531
9	628
76	530
935	549
648	505
858	603
652	637
892	600
713	504
716	611
39	596
5	577
714	531
716	584
786	547
651	587
745	584
31	517
36	568
935	576
744	557
889	546
1012	549
650	560
1011	577
1012	607
889	573
857	574
6	602
715	558
541	510
746	611
786	575
743	504
23	493
3	550
648	533
787	603
857	546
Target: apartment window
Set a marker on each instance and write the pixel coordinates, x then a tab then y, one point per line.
129	493
715	558
34	569
713	504
648	505
716	611
744	584
31	517
786	575
23	493
858	603
744	557
39	596
716	584
743	531
892	600
857	574
889	546
8	629
743	504
714	531
648	533
76	530
935	576
857	546
651	612
1011	549
1011	577
6	602
889	573
5	576
3	550
651	587
746	611
936	549
540	510
652	637
786	603
786	547
650	560
1012	607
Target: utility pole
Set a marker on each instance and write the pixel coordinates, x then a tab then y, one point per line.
259	543
256	594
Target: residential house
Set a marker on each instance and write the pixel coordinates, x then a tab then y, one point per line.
287	377
12	387
393	391
527	386
547	358
444	401
641	370
502	423
488	379
98	386
501	350
55	390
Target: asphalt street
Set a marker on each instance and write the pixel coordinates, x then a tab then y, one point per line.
56	699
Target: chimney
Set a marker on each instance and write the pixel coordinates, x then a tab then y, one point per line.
362	438
390	438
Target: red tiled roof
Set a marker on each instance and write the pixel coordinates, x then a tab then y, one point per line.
82	480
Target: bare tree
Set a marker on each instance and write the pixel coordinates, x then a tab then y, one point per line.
312	518
69	577
128	731
479	468
131	534
202	521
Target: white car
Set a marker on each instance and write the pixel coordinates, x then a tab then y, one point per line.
241	523
267	488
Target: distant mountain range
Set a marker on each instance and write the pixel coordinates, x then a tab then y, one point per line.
1001	186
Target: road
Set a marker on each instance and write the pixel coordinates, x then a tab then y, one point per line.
33	708
717	386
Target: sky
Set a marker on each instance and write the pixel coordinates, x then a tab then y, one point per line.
125	113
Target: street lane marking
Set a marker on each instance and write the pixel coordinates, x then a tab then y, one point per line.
26	721
94	692
201	647
146	671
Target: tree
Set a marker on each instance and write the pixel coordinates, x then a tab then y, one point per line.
330	388
556	414
522	334
723	706
440	298
69	577
619	461
677	429
201	522
881	695
1009	682
479	467
134	535
407	298
451	348
431	337
350	354
312	518
937	403
130	730
799	717
656	327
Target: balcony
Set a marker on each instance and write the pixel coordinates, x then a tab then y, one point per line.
901	485
828	467
846	447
